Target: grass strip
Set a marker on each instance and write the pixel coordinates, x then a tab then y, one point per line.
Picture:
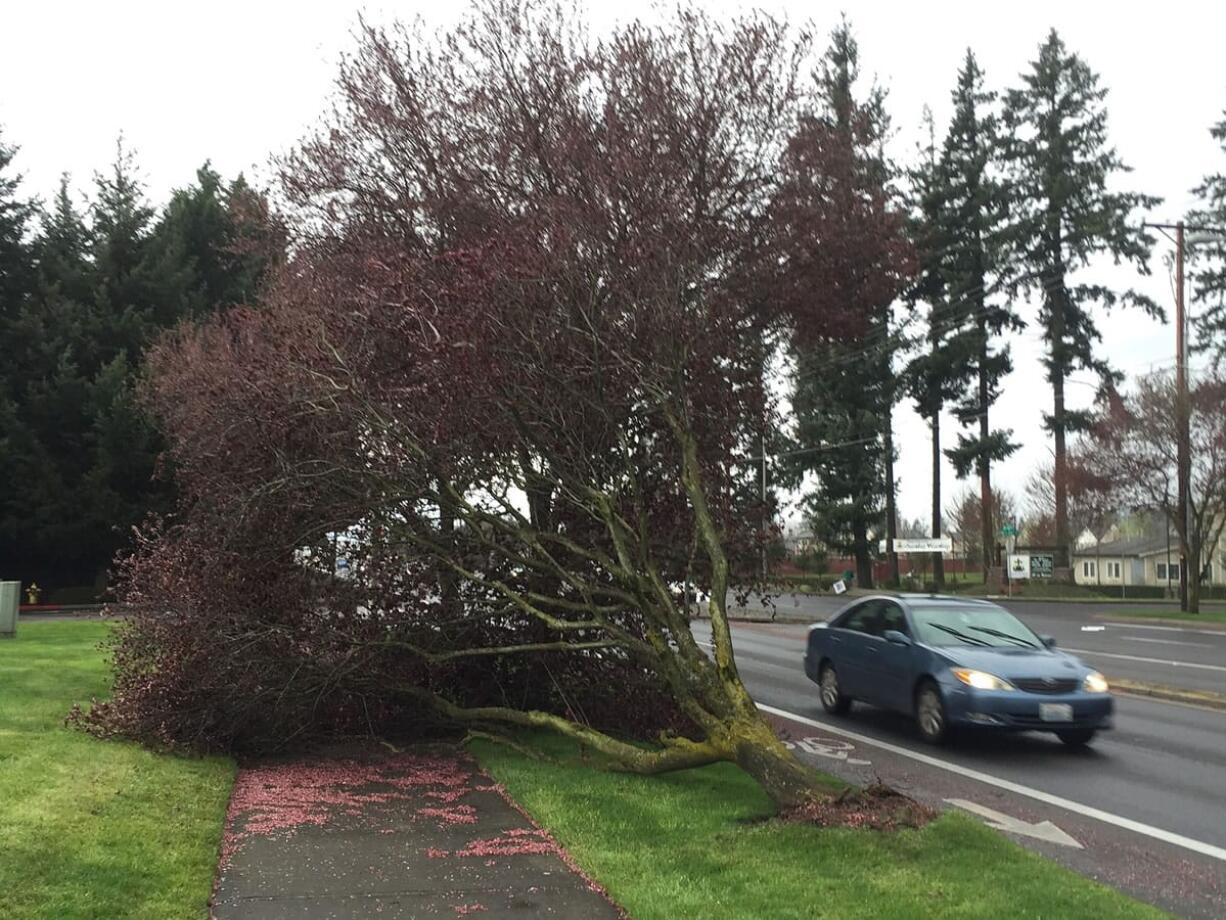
94	829
701	844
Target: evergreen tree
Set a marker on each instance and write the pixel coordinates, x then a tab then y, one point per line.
71	431
16	265
1063	215
975	215
17	274
224	235
843	389
1209	257
933	377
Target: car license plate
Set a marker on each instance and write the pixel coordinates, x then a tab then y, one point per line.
1056	712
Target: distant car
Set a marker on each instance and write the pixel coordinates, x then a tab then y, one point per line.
953	662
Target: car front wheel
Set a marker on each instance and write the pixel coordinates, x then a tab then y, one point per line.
833	700
930	714
1077	737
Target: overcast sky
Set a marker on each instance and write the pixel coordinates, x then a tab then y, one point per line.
235	82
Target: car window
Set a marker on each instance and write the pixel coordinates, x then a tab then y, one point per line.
975	626
862	619
892	617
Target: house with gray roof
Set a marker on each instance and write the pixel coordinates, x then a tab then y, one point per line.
1144	554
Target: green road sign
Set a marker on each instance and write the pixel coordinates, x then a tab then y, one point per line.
1008	530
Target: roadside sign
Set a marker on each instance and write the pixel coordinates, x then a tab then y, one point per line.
921	545
1009	530
1042	565
840	586
1019	566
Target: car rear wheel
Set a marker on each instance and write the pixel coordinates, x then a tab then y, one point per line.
1078	737
833	700
930	714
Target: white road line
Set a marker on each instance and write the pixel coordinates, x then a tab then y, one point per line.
1161	641
1174	664
1196	846
1182	629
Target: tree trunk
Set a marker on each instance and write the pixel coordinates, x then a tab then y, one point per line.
1192	566
1054	282
448	581
891	510
744	735
938	560
985	517
983	464
758	751
1060	474
864	561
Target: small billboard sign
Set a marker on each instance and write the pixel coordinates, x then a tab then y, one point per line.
1042	565
921	545
1019	566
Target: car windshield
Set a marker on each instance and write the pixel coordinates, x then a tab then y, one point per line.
986	626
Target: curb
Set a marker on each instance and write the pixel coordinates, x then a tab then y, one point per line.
761	616
1168	694
1104	601
1211	625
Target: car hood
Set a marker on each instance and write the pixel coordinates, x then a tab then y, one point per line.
1014	662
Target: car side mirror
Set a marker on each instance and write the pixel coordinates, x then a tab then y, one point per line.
894	637
1048	641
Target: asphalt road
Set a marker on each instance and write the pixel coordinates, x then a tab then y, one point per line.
1144	809
1183	657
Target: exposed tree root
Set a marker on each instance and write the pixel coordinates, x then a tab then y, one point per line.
877	807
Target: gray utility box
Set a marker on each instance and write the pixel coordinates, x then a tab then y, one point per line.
10	592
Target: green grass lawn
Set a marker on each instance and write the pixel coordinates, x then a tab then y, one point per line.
92	829
693	845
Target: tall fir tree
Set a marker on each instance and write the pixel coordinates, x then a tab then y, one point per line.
1208	273
74	436
17	280
1065	213
977	268
843	388
934	377
16	263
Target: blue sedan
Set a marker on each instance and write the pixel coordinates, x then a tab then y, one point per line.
953	662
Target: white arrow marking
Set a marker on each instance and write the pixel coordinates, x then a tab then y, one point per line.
1093	628
1044	830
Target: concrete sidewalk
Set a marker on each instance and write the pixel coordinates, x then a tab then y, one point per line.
376	834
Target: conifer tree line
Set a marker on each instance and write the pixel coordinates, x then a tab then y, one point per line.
983	232
87	281
1004	209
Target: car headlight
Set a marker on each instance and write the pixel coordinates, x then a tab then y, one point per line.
981	680
1095	683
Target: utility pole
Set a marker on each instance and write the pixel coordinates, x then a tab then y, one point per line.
1183	454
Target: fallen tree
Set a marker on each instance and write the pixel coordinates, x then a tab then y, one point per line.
513	374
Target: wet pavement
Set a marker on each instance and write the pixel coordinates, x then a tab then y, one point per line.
399	835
